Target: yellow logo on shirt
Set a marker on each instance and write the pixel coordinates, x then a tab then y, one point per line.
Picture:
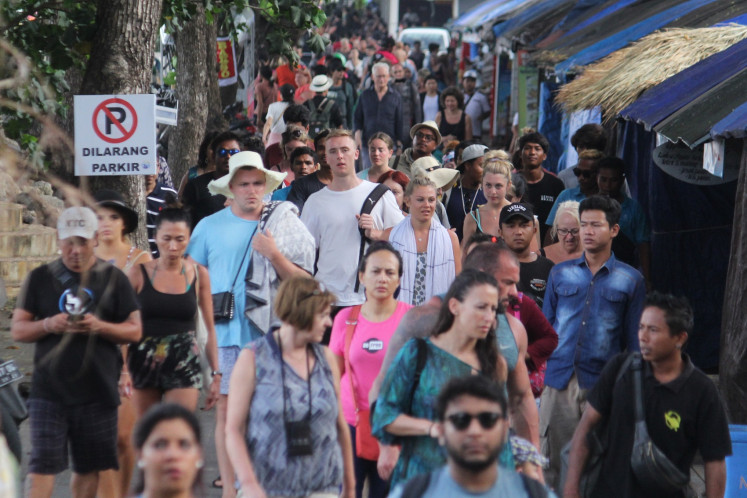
672	420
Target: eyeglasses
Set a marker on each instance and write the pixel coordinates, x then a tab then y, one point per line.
321	289
425	138
228	152
565	231
586	173
462	420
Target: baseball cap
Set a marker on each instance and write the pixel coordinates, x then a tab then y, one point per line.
470	74
472	152
77	222
516	209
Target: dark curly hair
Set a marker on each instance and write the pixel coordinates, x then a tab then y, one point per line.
452	91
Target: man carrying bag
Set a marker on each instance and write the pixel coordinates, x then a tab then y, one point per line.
679	413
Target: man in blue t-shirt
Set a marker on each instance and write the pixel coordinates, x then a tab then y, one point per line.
226	242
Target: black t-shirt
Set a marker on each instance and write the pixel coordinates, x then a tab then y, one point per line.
461	201
533	278
303	187
683	416
199	200
77	369
542	196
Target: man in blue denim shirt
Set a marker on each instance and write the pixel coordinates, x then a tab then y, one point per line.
595	304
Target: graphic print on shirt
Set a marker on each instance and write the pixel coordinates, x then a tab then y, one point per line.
672	419
373	345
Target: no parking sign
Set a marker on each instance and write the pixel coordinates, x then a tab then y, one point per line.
115	135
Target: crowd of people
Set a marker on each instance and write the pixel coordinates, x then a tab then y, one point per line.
367	292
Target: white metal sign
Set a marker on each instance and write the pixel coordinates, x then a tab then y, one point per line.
115	135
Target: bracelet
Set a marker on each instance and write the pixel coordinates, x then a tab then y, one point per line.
44	324
216	372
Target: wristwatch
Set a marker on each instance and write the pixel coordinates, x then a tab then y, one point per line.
216	372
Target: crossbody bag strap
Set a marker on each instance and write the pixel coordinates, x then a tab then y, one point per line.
350	325
243	258
637	387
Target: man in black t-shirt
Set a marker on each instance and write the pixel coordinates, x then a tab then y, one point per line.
542	186
76	309
518	228
197	198
682	409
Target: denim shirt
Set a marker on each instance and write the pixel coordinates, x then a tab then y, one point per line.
596	317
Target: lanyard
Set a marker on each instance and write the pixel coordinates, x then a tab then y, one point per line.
282	373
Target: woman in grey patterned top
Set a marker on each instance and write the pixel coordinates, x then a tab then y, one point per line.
286	435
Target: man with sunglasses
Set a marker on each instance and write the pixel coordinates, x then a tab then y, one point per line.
472	428
586	173
425	138
200	202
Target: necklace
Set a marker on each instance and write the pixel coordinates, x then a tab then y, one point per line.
472	204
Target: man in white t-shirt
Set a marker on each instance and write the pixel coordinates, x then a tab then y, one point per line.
332	217
476	104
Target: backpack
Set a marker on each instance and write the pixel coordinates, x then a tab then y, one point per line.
320	116
367	207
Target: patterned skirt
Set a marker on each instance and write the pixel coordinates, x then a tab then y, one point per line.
165	362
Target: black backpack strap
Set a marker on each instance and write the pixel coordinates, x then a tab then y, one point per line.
415	487
421	358
376	194
534	489
626	366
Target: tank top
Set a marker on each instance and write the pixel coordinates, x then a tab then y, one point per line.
166	314
457	130
476	216
279	474
507	342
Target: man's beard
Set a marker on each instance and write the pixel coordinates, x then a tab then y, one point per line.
474	466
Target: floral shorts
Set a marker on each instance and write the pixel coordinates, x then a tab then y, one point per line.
165	362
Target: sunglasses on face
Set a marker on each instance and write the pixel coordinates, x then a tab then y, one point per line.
424	137
228	152
462	420
586	173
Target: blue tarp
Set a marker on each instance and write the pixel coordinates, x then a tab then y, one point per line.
732	126
672	94
467	20
527	16
505	9
690	240
599	15
621	39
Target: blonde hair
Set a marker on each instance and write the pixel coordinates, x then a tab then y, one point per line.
567	207
419	179
500	154
591	154
339	132
497	167
299	299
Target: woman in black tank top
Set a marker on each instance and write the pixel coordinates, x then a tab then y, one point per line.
453	122
165	364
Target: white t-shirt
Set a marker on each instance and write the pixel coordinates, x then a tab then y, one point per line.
430	108
476	106
330	217
275	111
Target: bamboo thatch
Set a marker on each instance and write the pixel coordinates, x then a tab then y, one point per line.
620	78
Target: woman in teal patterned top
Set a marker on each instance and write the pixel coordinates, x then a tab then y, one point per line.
463	343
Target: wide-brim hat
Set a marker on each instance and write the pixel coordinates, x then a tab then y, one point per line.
246	159
431	125
439	175
320	83
114	200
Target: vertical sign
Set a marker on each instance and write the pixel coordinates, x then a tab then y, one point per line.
226	61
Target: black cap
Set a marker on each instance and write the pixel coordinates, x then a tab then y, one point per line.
516	209
114	200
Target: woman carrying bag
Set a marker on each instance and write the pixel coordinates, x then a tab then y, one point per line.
360	336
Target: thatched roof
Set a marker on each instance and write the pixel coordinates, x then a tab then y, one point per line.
620	78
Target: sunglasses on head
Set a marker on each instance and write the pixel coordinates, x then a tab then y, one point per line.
321	289
228	152
462	420
586	173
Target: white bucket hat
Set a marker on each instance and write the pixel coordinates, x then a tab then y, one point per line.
246	159
320	83
439	175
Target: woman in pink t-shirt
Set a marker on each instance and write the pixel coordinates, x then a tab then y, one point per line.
360	336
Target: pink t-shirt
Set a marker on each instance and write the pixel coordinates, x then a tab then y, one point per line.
367	351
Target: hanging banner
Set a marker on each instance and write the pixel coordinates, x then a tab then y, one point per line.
226	61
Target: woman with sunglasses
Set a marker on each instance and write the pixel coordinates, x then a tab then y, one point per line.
463	342
285	430
360	336
496	182
116	221
380	150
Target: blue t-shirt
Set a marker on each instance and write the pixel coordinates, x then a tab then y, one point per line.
219	242
509	483
281	194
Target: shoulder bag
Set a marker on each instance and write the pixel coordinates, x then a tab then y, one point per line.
366	446
651	467
224	303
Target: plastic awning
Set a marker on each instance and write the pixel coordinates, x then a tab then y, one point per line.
635	32
469	18
692	123
576	21
732	126
541	16
503	10
663	100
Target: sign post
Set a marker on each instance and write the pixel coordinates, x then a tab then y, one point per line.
115	135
